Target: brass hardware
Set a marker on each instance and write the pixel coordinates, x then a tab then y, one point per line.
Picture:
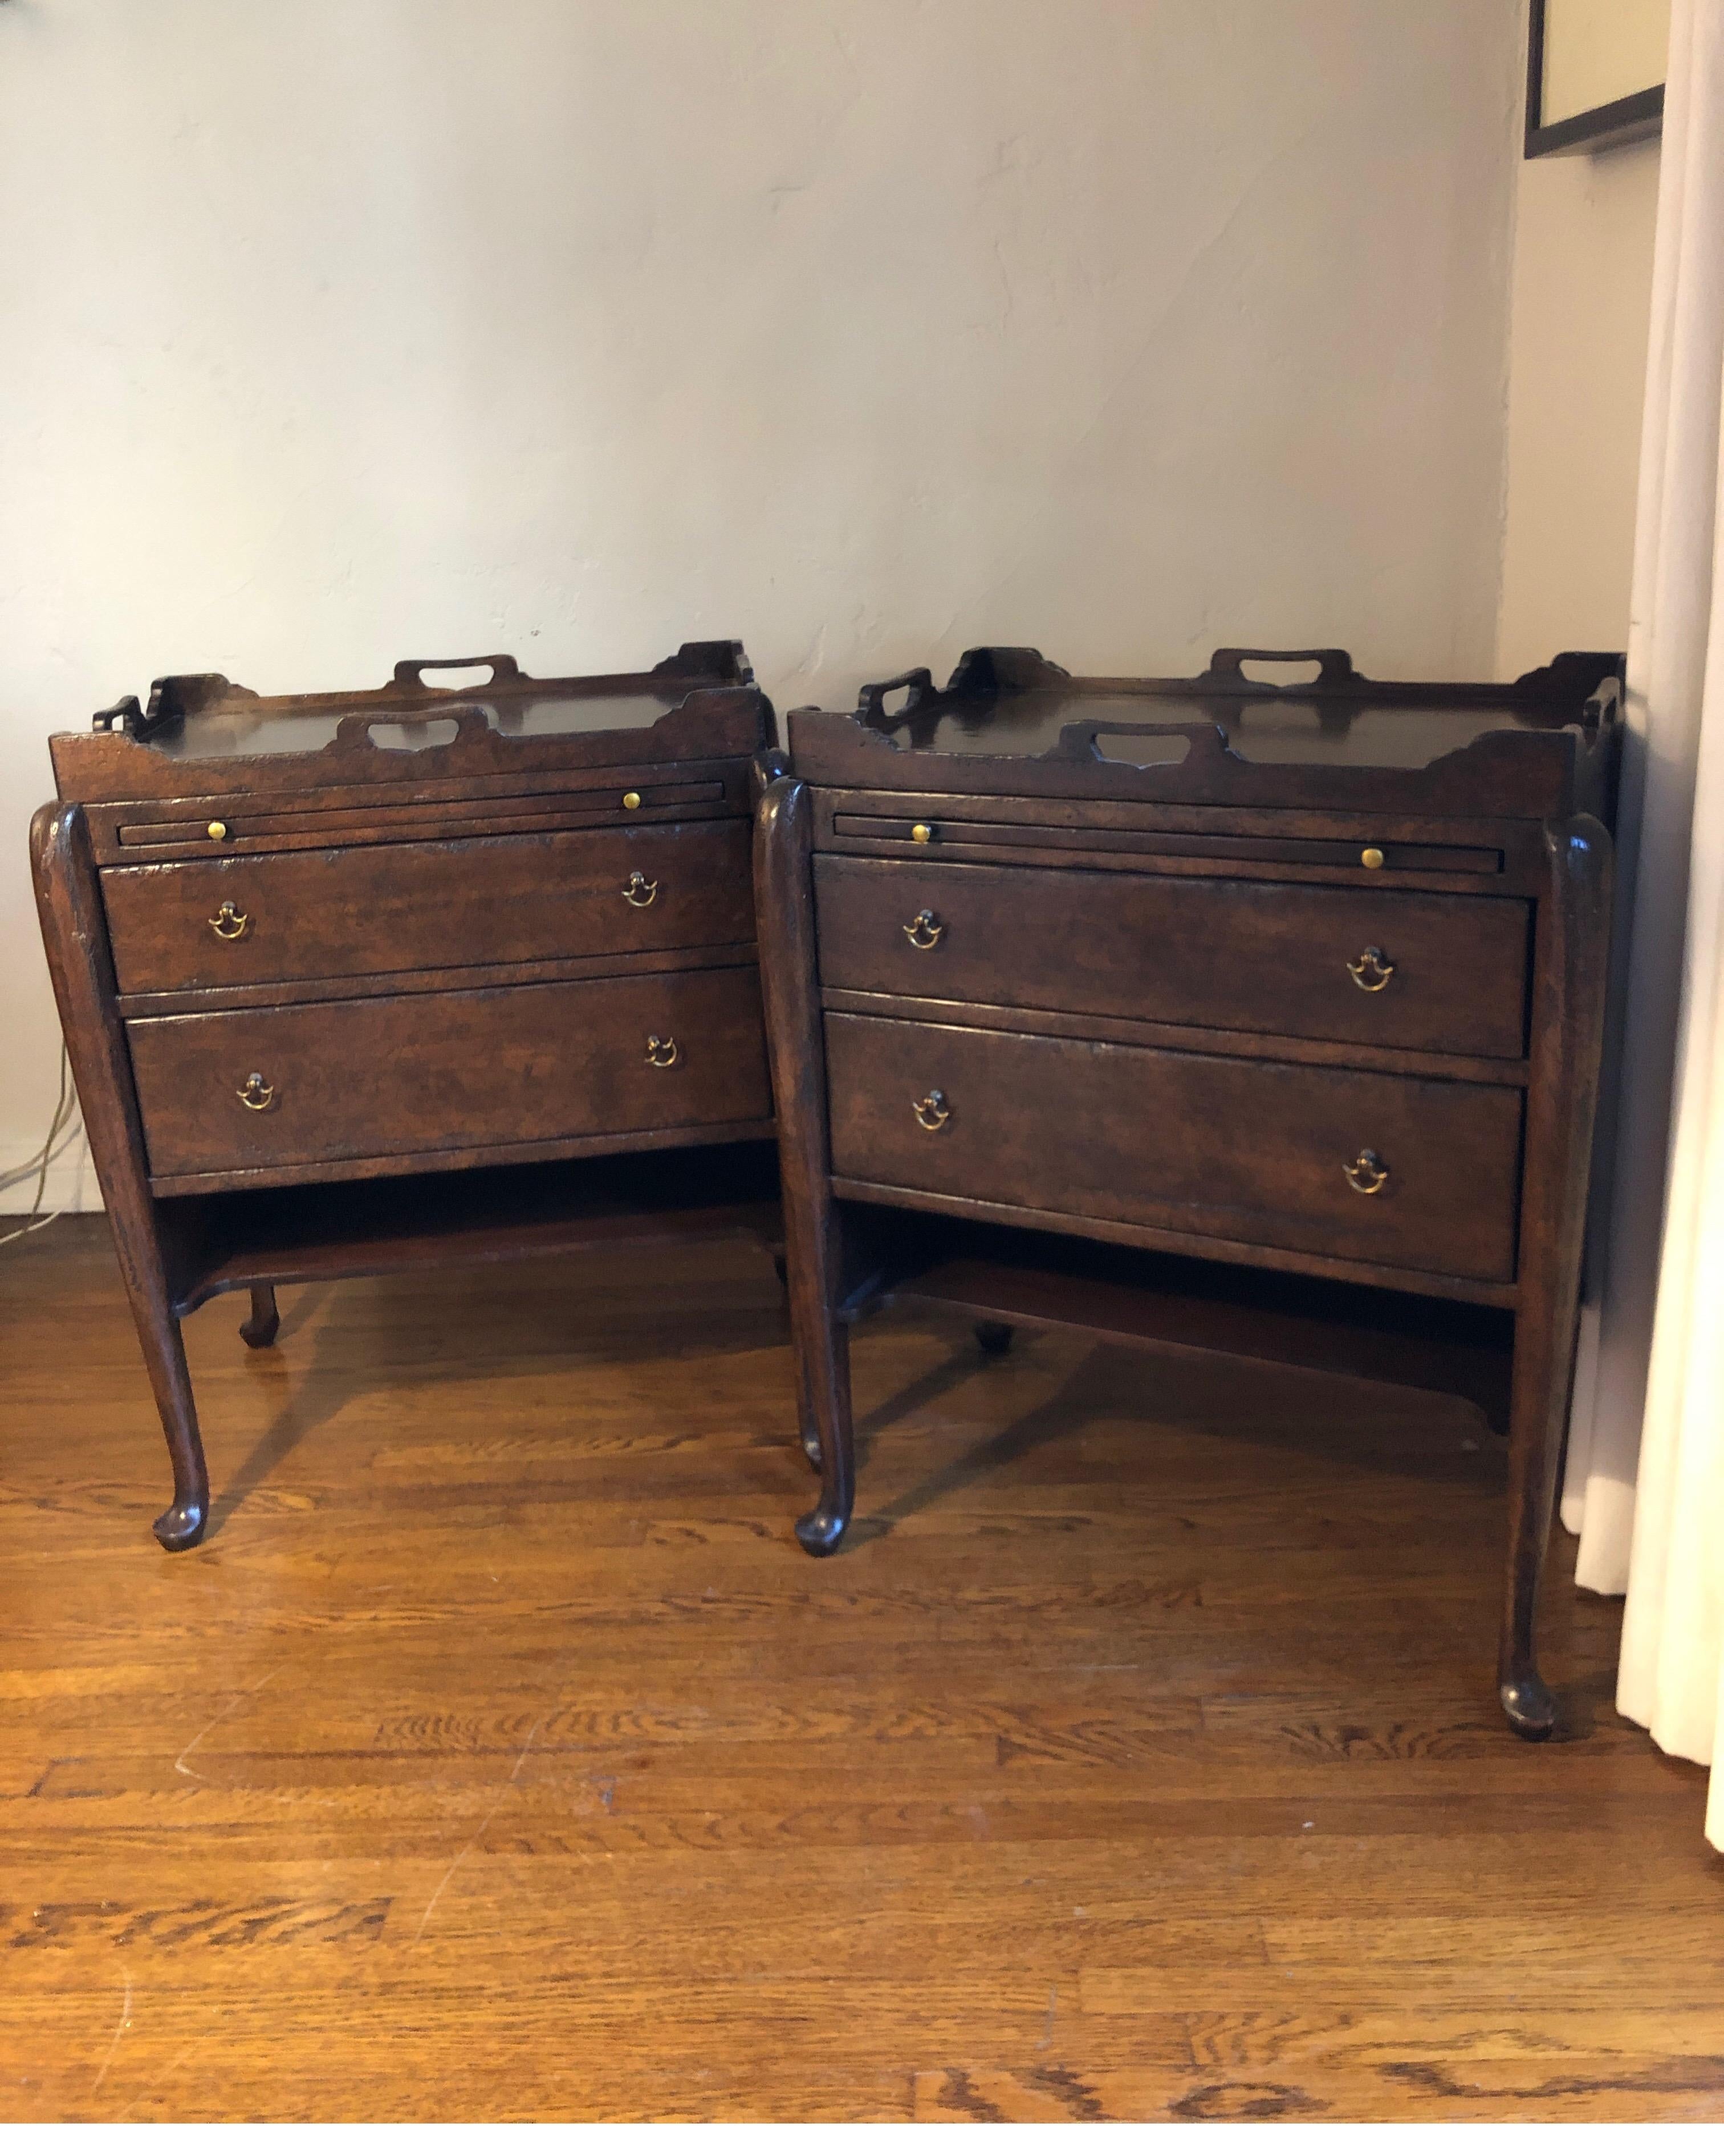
227	924
1371	858
254	1094
1370	971
639	889
631	800
218	829
662	1054
926	931
930	1112
922	833
1366	1174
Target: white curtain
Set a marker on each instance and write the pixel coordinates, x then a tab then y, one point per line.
1644	1489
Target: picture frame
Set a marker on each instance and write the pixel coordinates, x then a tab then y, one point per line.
1587	62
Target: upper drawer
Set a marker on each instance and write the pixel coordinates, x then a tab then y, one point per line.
393	909
1419	1173
378	1077
1389	968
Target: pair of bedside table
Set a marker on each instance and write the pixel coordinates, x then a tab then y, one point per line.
1204	1015
333	969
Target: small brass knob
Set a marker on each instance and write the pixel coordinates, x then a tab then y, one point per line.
1370	971
218	829
931	1111
1371	858
639	889
254	1094
926	931
661	1054
1368	1174
922	833
631	799
229	925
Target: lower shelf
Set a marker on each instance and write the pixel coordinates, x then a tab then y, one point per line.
1189	1306
472	1216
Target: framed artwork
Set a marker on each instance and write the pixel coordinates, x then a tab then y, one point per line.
1594	73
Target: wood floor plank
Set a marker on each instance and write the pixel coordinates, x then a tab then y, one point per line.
500	1755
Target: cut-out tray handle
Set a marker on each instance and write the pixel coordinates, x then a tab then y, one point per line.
1335	668
1079	739
918	680
410	673
471	723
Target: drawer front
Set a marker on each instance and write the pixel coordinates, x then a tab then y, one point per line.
1449	974
1255	1152
393	908
386	1075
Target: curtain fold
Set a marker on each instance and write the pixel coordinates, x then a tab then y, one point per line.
1645	1487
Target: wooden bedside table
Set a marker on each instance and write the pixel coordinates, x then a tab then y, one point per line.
1232	1019
332	969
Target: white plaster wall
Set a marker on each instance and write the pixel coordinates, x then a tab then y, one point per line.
1581	310
344	330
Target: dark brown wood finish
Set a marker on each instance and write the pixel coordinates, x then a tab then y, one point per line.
388	1076
394	933
1381	969
813	1246
387	909
1568	1019
1269	982
1244	1150
260	1328
75	932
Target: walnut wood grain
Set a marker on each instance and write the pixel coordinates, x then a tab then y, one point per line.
813	1238
414	936
322	915
1568	1022
401	1075
1231	954
75	937
1099	1017
1253	1152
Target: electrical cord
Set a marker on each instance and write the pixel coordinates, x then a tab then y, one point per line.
66	1126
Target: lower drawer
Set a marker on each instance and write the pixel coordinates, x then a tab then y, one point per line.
382	1077
1403	1171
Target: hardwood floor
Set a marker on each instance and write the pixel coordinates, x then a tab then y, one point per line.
500	1754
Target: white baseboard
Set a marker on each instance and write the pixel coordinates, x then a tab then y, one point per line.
71	1186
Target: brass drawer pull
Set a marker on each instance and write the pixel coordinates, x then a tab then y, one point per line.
925	833
1366	1174
931	1111
662	1054
1370	971
227	924
218	829
926	931
254	1094
639	889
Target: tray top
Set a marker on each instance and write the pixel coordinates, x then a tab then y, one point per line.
199	717
201	734
1220	734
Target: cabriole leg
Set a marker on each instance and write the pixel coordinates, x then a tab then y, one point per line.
260	1328
1568	1019
813	1237
181	1525
74	934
